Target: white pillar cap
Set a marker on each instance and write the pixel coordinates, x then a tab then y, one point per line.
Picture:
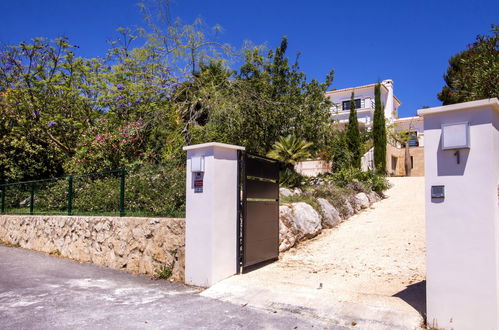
213	145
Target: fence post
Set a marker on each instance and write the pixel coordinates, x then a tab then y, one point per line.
32	198
122	192
70	195
3	199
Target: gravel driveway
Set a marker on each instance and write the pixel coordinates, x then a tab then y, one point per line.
369	271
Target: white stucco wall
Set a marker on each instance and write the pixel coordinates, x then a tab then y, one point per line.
312	167
365	93
462	228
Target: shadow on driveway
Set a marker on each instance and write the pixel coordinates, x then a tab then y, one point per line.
415	295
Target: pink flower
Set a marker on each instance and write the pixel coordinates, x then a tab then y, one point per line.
123	141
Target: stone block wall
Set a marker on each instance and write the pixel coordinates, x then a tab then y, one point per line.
136	245
395	160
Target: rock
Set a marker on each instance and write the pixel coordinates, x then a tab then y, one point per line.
331	216
374	197
285	192
348	210
355	205
287	228
297	221
362	200
179	265
306	219
297	191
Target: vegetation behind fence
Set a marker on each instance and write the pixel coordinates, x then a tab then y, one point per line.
149	190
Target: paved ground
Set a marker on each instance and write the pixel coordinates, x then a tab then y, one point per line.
368	271
42	292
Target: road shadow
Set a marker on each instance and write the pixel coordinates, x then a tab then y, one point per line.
415	295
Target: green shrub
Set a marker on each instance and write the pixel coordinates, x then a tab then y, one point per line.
150	190
164	272
307	197
157	190
290	178
338	188
335	194
369	179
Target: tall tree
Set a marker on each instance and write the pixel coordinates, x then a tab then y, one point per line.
379	132
267	98
353	135
473	74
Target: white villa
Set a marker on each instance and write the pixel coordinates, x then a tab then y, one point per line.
364	104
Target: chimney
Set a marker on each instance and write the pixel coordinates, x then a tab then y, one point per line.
389	110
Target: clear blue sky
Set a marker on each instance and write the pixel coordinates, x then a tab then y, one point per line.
407	41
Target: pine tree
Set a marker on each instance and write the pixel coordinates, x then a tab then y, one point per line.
353	135
379	132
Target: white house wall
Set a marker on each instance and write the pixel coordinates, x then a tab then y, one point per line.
366	94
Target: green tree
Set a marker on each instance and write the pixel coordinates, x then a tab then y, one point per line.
138	104
268	98
290	149
353	135
47	101
473	74
338	149
379	132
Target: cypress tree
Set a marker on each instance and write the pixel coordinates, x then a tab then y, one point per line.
353	135
379	132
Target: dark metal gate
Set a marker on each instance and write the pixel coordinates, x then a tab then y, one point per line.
258	213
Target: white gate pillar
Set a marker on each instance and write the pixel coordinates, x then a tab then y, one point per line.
462	215
211	213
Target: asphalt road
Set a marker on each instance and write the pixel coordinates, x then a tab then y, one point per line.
43	292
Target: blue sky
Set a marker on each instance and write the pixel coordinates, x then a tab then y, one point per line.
364	41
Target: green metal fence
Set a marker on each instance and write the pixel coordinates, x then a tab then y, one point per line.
157	190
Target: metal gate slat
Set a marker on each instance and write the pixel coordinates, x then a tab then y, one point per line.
262	189
262	222
262	168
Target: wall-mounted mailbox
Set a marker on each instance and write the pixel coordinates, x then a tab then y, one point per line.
437	191
197	164
455	136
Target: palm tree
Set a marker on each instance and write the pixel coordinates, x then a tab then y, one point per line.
290	149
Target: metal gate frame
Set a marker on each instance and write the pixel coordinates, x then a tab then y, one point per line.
257	198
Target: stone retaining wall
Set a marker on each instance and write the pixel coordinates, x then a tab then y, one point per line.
300	221
136	245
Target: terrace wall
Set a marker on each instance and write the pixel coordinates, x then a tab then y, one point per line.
136	245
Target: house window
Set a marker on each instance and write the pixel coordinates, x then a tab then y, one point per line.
358	104
412	162
394	164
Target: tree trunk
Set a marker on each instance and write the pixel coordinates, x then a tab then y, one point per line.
407	160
